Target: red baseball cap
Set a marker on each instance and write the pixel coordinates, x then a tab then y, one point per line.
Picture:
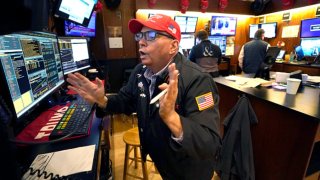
158	22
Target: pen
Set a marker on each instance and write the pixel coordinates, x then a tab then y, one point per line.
155	99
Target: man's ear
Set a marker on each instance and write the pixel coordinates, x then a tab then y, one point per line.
174	47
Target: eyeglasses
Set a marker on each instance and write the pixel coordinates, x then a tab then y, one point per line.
149	35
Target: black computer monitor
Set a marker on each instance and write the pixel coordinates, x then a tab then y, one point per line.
272	54
264	70
77	11
30	70
74	54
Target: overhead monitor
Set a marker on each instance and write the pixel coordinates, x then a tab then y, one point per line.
74	54
269	28
252	30
77	11
187	24
223	26
310	46
220	41
30	69
310	28
187	41
73	29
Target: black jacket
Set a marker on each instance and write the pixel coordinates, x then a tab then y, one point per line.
255	52
236	153
195	157
207	55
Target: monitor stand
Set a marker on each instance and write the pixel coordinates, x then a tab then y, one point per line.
263	73
316	61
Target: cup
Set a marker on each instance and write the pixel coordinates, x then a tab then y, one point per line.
304	78
293	85
281	77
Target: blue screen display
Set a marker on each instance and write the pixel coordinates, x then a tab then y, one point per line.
310	46
310	28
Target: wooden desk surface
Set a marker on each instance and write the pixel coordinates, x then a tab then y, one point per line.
306	101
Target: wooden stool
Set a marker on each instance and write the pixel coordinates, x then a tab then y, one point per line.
131	138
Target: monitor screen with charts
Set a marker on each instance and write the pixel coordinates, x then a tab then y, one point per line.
74	54
30	69
220	41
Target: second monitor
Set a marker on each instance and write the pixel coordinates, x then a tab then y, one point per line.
74	54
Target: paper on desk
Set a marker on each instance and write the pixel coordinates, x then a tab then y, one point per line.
62	163
248	82
314	79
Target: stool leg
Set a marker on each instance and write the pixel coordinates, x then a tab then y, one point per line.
144	169
126	160
132	118
135	157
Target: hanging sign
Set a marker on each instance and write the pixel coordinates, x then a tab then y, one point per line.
286	16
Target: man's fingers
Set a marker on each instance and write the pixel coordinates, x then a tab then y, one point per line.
99	83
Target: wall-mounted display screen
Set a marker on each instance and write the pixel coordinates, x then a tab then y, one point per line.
223	25
187	24
269	28
310	46
310	28
220	41
72	29
252	29
77	11
187	41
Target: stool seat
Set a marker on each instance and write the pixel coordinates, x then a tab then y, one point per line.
131	137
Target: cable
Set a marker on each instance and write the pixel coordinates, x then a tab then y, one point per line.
45	174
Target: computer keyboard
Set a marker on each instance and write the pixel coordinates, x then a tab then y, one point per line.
75	121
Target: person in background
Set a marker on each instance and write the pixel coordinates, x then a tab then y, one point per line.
252	54
206	54
180	132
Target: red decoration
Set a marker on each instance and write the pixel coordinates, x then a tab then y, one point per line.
312	1
223	5
287	4
204	4
98	6
151	3
184	5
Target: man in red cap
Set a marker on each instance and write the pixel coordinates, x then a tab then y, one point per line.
180	131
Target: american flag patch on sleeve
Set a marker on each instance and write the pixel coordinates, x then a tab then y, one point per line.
205	101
